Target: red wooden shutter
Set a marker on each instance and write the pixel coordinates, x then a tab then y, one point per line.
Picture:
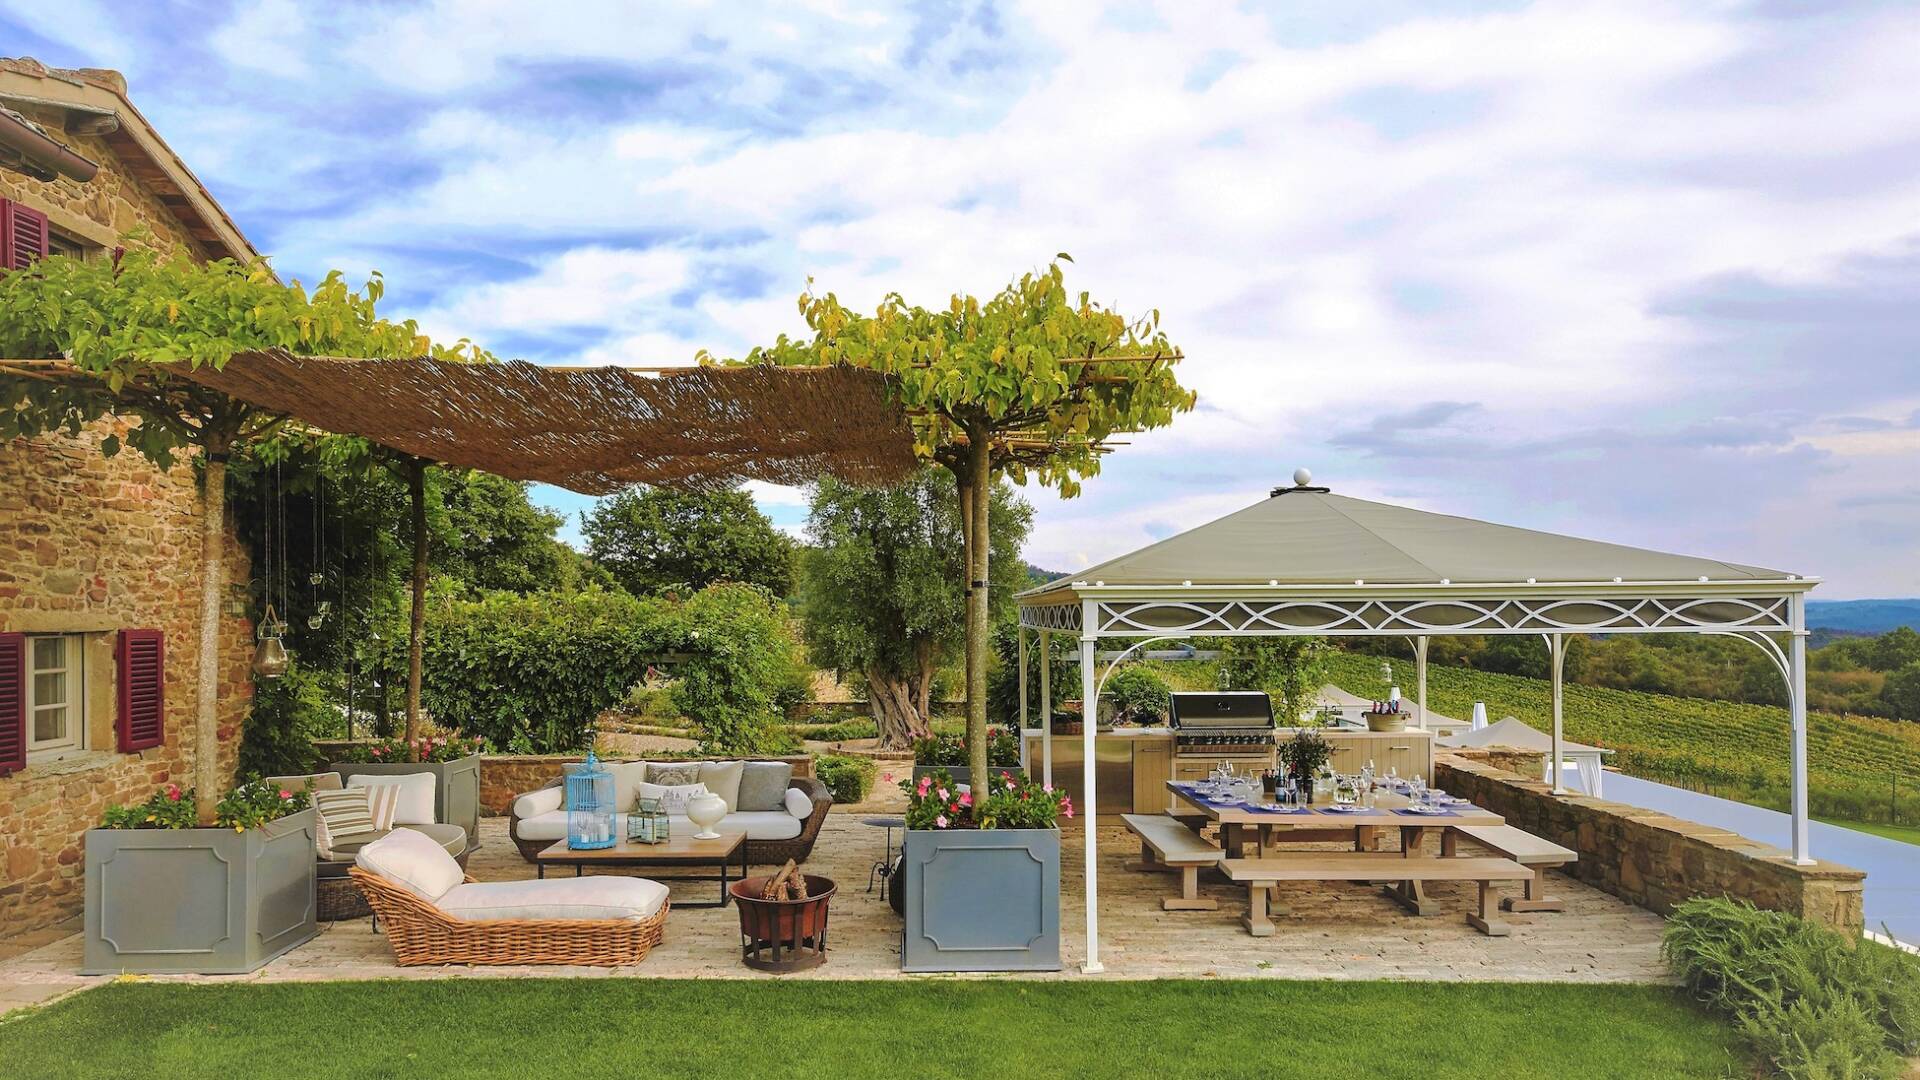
142	660
23	235
13	702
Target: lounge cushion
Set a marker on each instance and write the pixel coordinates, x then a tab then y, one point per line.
451	837
343	818
412	860
763	785
415	805
761	825
723	779
597	897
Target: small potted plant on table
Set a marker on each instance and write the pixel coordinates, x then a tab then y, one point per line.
981	875
453	759
1302	757
164	895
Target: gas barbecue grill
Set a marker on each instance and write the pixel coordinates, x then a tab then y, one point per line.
1222	725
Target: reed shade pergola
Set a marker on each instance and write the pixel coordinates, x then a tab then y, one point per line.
595	430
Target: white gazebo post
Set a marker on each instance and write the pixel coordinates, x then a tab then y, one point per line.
1797	705
1089	726
1420	677
1046	708
1557	659
1020	635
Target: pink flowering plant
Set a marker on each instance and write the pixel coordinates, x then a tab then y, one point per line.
936	801
429	749
248	806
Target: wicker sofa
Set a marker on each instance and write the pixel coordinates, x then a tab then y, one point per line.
538	820
434	913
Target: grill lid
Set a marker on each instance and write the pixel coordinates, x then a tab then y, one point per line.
1220	710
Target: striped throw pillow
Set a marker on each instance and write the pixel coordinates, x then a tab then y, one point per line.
383	802
341	815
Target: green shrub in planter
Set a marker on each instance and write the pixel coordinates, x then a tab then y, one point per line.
1137	694
1811	1002
848	778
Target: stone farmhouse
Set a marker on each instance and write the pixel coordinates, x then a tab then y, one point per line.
98	556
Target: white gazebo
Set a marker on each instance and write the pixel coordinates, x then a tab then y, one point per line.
1308	562
1516	733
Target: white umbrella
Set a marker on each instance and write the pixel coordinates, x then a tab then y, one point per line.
1479	715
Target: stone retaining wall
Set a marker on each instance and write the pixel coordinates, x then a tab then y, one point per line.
505	777
1655	860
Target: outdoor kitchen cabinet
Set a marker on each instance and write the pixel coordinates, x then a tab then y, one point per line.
1152	768
1408	752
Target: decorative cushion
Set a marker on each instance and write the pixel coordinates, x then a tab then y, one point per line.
341	817
598	897
673	799
763	785
535	803
799	803
673	774
627	776
415	792
723	779
413	861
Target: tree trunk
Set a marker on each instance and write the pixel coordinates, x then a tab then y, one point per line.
977	629
963	488
206	714
417	484
892	701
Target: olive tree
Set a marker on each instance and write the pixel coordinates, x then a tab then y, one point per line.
125	327
1028	383
880	588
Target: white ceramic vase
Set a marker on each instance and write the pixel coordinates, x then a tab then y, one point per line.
705	811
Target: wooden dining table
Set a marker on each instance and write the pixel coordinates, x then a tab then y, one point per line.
1320	823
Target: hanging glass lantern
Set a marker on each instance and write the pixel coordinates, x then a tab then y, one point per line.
270	655
590	806
648	824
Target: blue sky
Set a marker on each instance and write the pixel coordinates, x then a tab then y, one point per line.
1643	272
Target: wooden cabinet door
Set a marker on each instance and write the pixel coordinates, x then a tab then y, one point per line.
1152	768
1191	770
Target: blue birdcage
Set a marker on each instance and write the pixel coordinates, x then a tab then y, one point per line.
590	806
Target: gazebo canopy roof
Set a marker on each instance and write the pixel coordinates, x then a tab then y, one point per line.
1305	536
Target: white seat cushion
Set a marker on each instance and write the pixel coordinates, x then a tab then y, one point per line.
415	805
414	861
598	897
759	825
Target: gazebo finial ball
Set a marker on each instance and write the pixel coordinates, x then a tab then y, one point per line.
1302	477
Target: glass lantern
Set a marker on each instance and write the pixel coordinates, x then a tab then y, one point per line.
590	807
647	824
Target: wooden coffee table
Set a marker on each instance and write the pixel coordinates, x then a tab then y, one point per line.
729	849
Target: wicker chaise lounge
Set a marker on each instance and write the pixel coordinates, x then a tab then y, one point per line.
433	913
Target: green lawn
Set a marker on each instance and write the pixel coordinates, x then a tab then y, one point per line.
524	1029
1904	833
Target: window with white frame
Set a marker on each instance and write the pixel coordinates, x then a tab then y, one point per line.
56	695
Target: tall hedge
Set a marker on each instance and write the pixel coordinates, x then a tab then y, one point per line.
531	672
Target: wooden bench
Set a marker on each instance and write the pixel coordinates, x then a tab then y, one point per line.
1261	875
1524	848
1166	844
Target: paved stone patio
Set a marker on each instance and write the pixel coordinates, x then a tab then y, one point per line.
1336	931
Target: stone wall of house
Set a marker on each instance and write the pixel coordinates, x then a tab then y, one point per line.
504	778
103	211
1654	860
92	545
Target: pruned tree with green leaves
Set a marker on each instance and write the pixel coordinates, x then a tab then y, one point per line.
125	326
1030	383
652	539
880	588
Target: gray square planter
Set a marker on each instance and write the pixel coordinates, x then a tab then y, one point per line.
981	900
198	901
960	774
456	788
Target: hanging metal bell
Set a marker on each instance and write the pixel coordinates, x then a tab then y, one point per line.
270	655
